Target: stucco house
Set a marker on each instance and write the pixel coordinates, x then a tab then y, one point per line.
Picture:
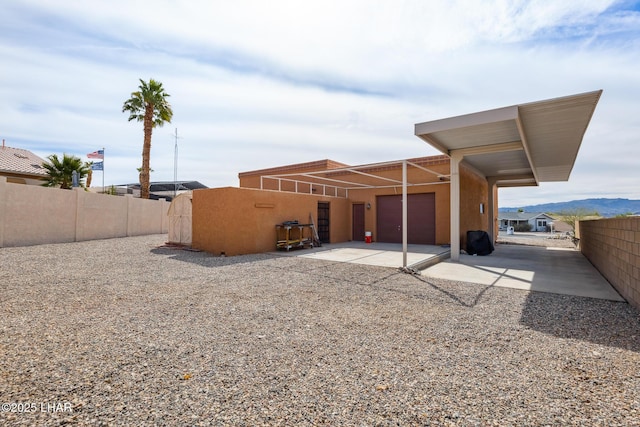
343	202
538	221
21	166
432	200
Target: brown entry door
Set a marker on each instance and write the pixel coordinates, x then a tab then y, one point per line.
421	219
357	221
323	221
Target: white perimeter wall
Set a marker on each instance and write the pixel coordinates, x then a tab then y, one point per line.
33	215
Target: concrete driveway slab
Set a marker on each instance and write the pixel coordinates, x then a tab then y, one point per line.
379	254
533	268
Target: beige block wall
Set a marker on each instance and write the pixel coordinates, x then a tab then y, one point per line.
35	215
146	217
32	215
102	217
613	247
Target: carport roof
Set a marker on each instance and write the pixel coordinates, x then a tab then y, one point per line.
520	145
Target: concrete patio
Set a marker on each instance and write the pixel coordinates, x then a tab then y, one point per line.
379	254
532	268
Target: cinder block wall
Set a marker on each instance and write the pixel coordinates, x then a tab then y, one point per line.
34	215
613	247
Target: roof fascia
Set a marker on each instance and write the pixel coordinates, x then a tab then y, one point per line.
525	145
489	149
467	120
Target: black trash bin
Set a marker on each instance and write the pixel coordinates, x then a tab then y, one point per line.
479	243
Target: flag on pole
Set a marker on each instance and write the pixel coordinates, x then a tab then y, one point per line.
98	166
96	155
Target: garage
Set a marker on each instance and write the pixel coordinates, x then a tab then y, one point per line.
421	218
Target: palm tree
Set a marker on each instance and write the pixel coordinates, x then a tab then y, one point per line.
60	172
148	105
89	173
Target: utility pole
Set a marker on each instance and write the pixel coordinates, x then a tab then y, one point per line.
175	166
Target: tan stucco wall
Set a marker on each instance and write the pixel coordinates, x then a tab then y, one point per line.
237	221
32	215
242	220
473	191
441	191
438	164
613	247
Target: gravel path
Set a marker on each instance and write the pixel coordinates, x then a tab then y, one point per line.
125	332
557	240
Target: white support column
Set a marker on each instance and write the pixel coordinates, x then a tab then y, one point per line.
405	211
455	206
491	214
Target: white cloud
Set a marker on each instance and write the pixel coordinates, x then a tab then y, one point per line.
256	84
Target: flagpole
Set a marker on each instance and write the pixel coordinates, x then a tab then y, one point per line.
175	167
103	190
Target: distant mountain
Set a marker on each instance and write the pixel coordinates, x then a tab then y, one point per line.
605	207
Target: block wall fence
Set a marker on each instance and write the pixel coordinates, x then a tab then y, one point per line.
33	215
613	246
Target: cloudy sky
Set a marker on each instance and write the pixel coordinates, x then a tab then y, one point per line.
256	84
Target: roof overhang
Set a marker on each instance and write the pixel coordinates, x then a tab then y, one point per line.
520	145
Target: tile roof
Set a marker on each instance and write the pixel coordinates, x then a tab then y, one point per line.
19	161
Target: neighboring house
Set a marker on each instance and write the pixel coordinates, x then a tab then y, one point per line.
161	189
538	221
21	166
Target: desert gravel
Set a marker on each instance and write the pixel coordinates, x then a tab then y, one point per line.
127	332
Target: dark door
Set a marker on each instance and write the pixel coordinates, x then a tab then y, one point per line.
323	221
389	219
421	219
357	221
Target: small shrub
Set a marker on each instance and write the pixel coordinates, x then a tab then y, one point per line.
522	227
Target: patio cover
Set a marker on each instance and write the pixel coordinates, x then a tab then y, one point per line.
520	145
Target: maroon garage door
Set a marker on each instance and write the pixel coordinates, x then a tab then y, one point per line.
421	219
357	221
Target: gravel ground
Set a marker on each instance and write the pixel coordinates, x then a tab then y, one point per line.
557	240
126	332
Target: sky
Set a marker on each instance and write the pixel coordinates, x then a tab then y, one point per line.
259	84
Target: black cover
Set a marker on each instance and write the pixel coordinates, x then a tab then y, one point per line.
479	243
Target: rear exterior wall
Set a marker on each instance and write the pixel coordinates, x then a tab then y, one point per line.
441	191
242	220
